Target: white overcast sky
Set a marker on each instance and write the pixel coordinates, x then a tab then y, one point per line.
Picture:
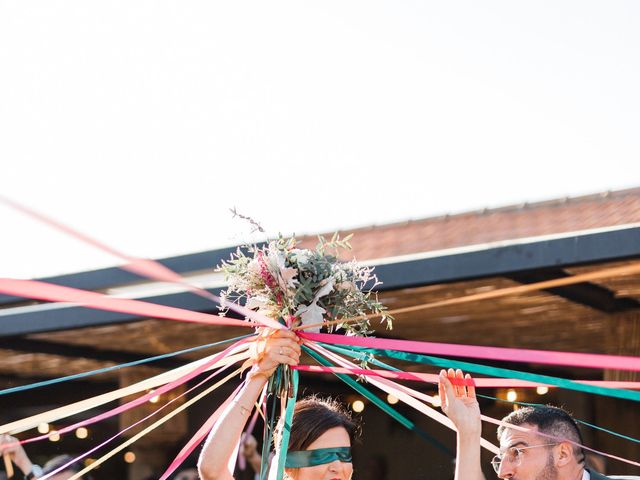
142	122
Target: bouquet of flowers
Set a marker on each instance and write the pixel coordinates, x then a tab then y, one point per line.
302	287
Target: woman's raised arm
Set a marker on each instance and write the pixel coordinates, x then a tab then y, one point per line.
281	347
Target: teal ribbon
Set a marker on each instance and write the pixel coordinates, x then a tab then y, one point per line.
366	356
266	442
503	373
404	421
77	376
286	430
582	422
318	456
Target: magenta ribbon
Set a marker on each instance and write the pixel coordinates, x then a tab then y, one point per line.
588	360
477	382
199	436
141	266
146	397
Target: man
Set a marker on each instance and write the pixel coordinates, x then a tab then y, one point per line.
541	446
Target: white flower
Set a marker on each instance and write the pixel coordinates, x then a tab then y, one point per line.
301	256
258	301
285	276
310	315
325	290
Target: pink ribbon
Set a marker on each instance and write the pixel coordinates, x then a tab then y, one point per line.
589	360
57	293
200	435
477	382
401	389
146	397
145	267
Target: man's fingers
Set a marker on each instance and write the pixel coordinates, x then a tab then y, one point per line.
460	390
447	392
451	373
471	389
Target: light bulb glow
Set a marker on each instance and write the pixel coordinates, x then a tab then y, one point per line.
82	433
54	436
542	390
391	399
512	395
43	428
129	457
357	406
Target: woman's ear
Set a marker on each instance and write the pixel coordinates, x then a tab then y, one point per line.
564	455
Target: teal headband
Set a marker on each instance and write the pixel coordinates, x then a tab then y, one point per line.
319	456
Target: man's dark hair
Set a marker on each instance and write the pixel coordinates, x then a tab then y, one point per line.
552	421
60	460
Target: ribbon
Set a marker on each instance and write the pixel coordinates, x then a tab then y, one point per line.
150	428
199	436
404	421
83	405
507	373
585	360
403	391
433	378
56	293
286	429
142	361
120	433
144	267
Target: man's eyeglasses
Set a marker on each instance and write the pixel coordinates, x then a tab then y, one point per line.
513	455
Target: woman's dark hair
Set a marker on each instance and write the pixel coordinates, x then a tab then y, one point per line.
312	417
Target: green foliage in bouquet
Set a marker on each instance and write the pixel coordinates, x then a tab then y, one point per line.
305	287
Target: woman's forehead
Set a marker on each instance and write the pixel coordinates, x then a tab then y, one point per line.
334	437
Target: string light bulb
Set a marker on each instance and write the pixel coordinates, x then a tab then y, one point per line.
357	406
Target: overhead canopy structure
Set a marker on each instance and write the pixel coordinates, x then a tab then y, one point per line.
42	340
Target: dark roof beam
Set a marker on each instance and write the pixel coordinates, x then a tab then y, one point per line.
587	294
80	351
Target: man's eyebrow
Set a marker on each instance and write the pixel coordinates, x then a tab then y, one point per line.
518	443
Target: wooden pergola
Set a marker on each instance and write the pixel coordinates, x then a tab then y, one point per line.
40	340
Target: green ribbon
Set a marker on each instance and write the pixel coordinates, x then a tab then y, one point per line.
502	372
404	421
366	356
318	456
286	430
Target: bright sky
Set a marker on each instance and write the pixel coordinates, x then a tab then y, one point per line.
141	123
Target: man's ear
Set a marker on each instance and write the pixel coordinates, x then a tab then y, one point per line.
564	454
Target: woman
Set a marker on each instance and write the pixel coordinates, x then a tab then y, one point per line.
321	432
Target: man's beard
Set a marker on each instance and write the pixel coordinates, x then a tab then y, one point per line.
550	472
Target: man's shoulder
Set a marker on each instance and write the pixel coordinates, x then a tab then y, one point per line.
597	476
